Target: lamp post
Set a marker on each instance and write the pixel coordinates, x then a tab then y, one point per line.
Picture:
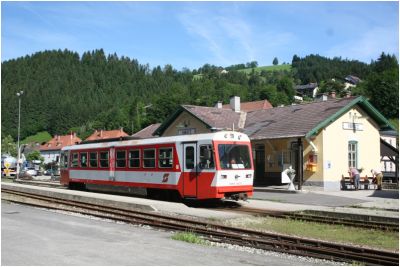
19	94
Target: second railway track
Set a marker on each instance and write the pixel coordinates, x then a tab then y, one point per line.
217	232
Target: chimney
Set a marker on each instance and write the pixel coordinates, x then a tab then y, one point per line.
218	104
235	103
332	94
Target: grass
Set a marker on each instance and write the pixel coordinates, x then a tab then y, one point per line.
40	137
336	233
189	237
268	68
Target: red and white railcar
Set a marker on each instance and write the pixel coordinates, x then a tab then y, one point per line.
201	166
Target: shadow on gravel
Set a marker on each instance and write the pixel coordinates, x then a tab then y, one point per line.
393	194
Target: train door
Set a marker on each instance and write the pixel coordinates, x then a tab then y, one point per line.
64	164
190	170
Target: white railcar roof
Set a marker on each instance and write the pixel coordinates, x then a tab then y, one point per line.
217	136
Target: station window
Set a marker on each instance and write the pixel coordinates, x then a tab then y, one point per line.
165	157
206	157
121	159
93	159
74	161
83	159
104	159
352	154
149	158
134	158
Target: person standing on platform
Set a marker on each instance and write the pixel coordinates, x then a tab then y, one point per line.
355	175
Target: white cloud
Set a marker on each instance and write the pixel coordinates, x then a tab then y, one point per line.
230	37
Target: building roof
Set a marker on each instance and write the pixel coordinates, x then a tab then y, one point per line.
352	79
147	132
102	134
388	150
213	118
251	106
304	120
60	141
306	86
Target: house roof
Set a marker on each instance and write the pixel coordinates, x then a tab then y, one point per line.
100	135
306	86
352	79
217	118
388	150
60	141
251	106
304	120
147	132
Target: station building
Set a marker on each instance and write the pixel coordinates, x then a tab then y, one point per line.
321	140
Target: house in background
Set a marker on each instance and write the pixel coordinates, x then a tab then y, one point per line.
351	81
102	134
51	150
389	156
321	140
310	90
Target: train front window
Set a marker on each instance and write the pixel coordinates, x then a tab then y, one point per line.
206	157
233	156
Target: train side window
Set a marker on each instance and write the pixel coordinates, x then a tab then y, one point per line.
189	157
104	159
134	158
165	157
74	161
93	159
206	157
121	159
149	158
83	159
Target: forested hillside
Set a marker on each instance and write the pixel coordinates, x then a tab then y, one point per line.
65	91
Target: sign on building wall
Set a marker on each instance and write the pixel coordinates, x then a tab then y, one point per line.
353	126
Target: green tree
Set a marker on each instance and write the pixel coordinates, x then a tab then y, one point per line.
275	61
34	155
9	146
383	91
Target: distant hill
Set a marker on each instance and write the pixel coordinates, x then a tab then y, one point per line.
65	91
284	67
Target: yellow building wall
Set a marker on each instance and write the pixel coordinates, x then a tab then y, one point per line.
189	121
335	145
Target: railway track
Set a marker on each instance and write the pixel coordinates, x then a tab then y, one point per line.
324	218
216	232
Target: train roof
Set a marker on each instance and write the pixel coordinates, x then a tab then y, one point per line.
217	136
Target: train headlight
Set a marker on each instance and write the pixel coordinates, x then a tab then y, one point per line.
248	175
224	176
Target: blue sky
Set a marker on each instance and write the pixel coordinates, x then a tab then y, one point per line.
191	34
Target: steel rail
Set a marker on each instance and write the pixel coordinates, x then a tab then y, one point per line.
218	233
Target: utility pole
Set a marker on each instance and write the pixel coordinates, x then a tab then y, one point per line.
19	94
